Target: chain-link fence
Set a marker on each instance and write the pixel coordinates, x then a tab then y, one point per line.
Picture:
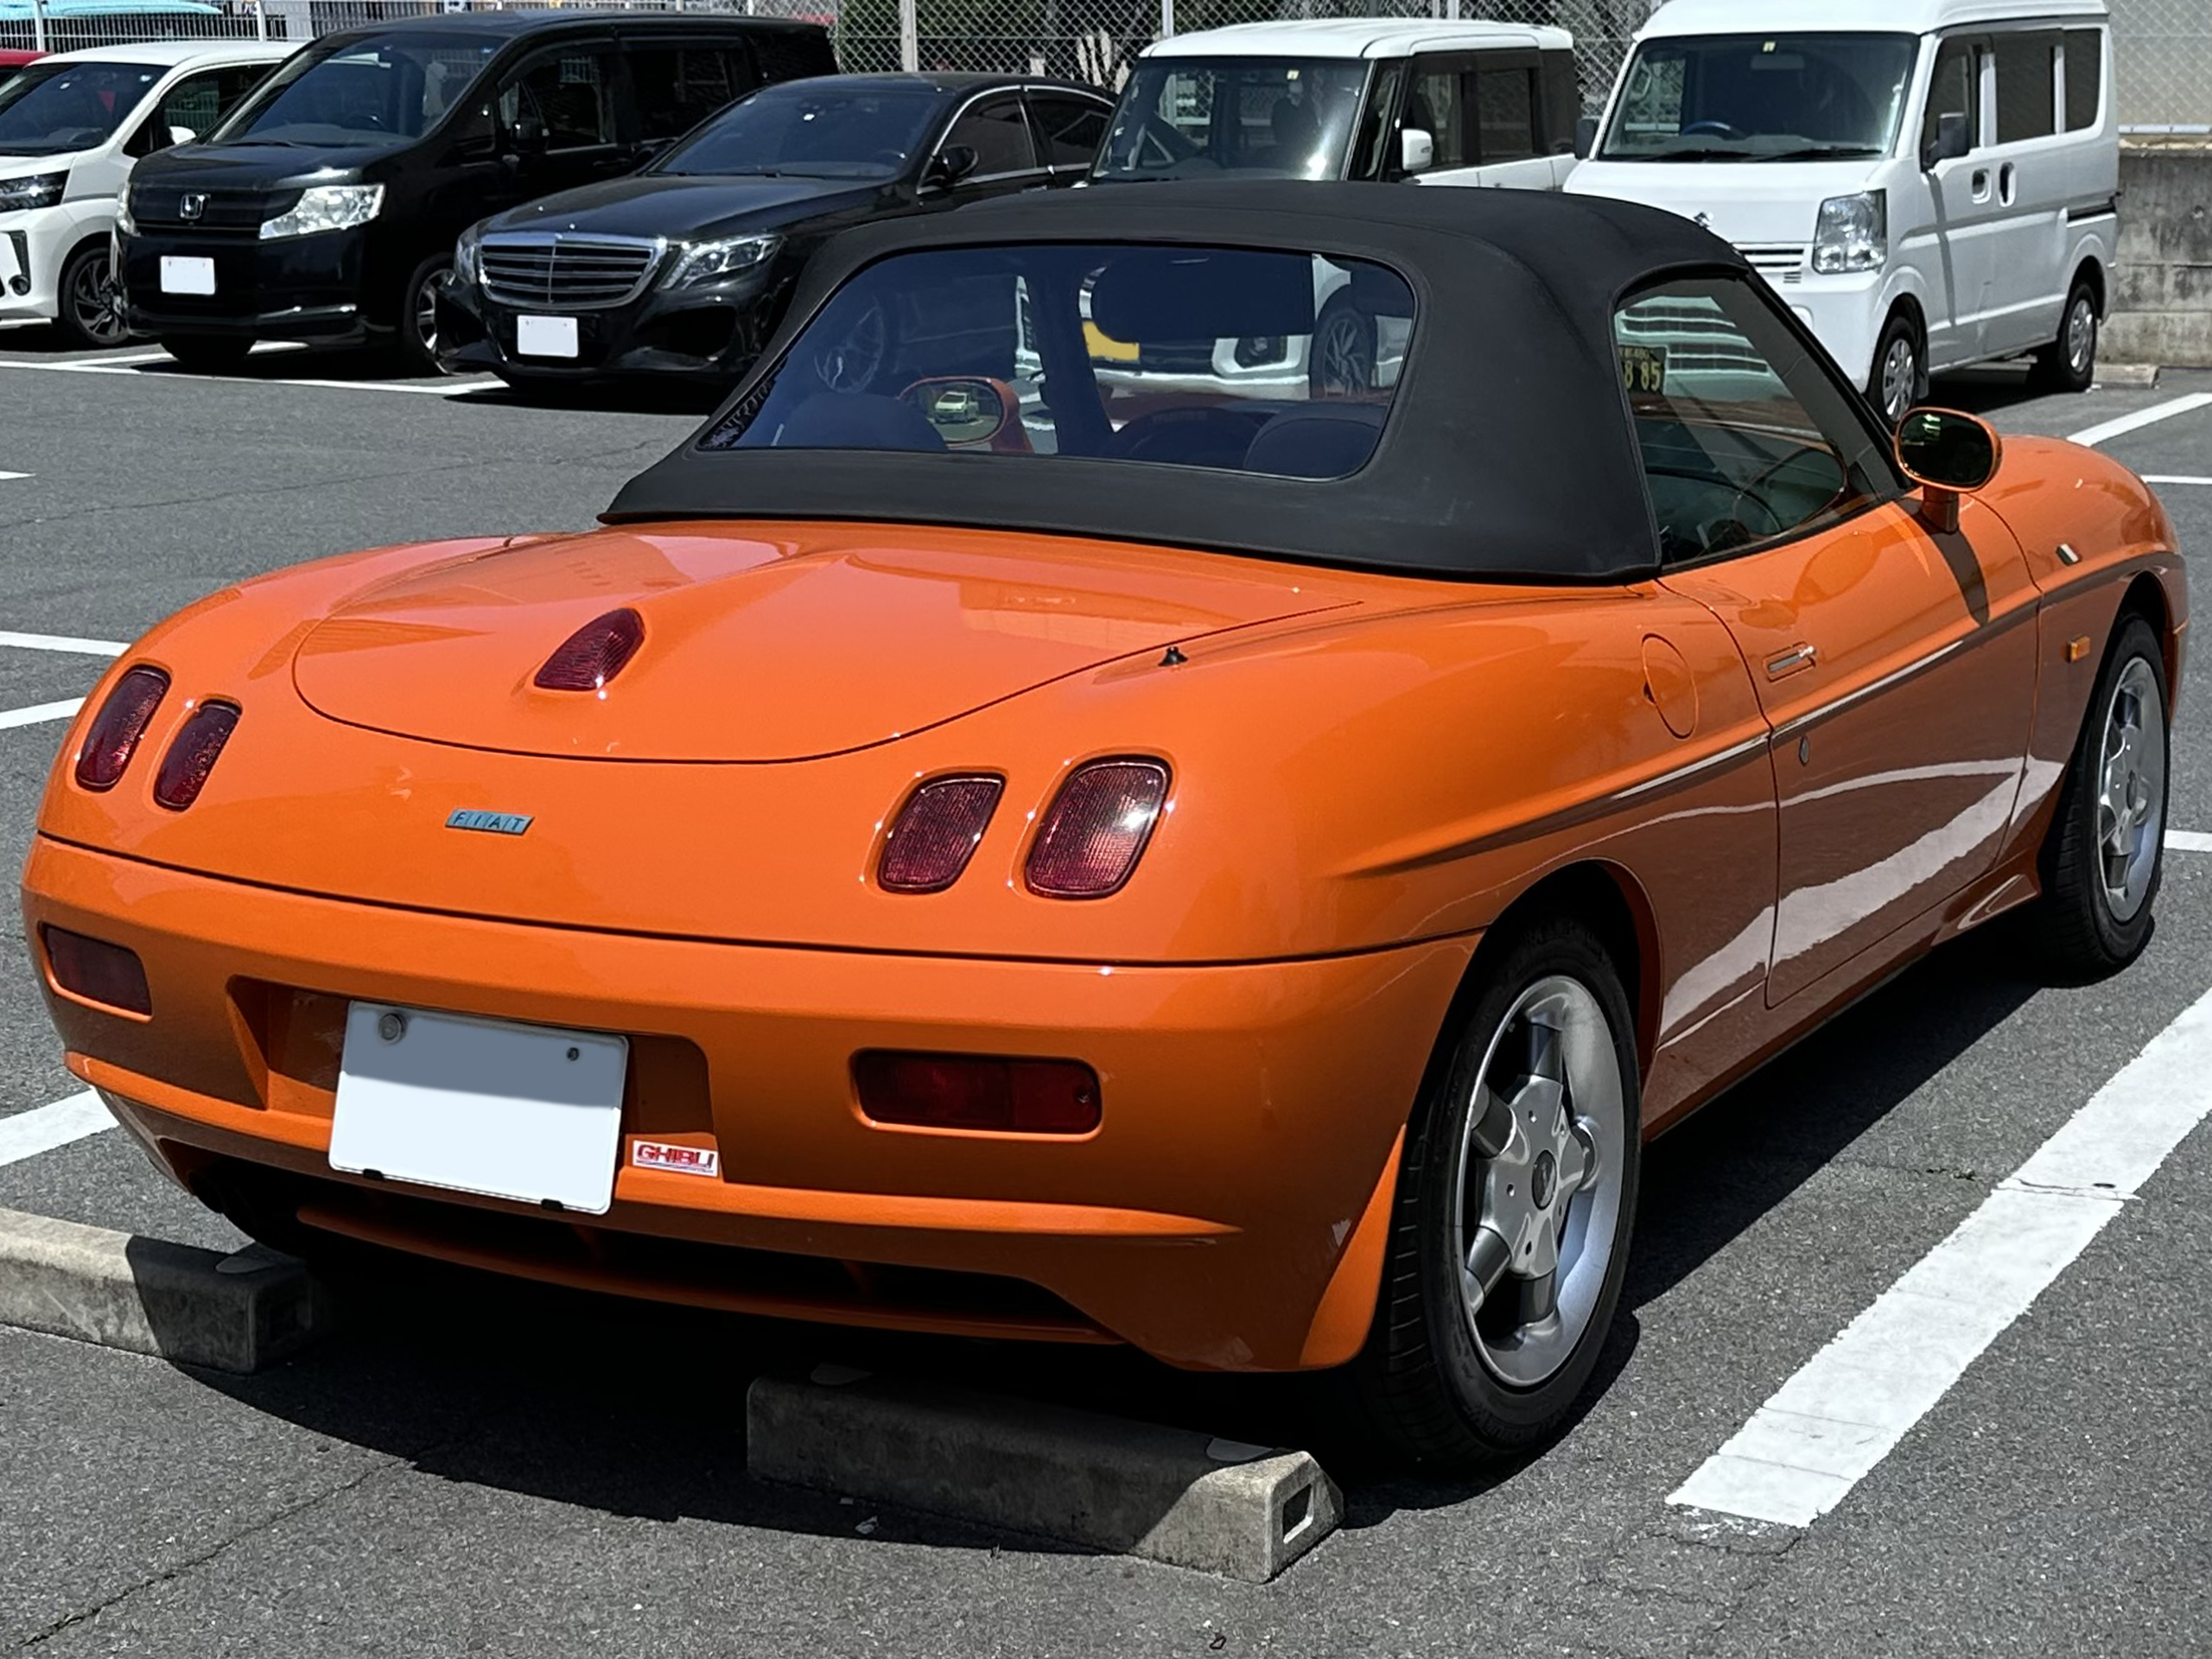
2161	64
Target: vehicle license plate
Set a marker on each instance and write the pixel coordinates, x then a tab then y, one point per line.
511	1111
186	275
545	336
1644	370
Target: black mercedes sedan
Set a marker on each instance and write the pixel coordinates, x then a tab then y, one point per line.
683	267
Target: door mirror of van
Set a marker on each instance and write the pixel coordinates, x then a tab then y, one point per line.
1585	138
181	135
1954	139
1416	150
1948	454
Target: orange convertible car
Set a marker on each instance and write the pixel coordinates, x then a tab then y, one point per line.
1028	825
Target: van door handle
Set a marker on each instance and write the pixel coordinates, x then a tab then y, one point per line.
2007	180
1981	184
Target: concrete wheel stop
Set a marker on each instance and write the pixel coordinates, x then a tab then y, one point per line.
1072	1477
238	1313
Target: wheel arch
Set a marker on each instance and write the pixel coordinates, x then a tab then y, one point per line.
2087	268
2146	597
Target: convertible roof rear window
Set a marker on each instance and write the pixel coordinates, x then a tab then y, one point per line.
1266	361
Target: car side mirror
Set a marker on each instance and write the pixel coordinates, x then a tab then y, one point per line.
1954	137
1585	138
1948	454
1416	150
953	164
966	413
181	135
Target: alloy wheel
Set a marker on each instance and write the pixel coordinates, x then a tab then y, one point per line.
2132	790
2080	334
1900	377
1344	363
95	302
1537	1183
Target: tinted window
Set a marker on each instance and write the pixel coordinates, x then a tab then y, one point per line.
1283	117
1954	89
371	93
813	130
1187	357
1374	158
1746	438
562	102
48	108
1433	106
1070	129
2026	86
2085	77
197	104
1761	96
679	86
1505	111
995	130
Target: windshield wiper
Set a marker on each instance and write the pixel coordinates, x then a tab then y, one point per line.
1821	152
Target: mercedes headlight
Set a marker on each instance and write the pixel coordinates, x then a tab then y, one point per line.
466	252
38	190
1853	233
326	207
717	262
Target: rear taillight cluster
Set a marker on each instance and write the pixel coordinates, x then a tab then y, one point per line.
1086	846
121	724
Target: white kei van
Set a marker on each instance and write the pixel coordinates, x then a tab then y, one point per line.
1384	98
71	128
1928	184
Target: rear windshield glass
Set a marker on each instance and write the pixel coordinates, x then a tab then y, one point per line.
1259	362
811	130
49	108
1274	117
1761	97
371	94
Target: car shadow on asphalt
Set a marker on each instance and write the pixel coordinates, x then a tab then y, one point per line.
635	1409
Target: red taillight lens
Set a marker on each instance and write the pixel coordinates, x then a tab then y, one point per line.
976	1091
119	726
192	754
98	971
936	832
594	653
1097	829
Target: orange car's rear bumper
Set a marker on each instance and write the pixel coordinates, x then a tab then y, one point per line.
1228	1211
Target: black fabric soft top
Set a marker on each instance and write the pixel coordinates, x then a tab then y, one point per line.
1508	452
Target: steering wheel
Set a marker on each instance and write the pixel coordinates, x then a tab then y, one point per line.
1717	129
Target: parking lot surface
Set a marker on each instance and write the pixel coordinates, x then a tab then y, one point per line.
474	1466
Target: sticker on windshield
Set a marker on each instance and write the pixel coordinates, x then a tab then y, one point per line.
1644	370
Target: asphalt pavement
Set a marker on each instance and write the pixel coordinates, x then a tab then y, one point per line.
474	1466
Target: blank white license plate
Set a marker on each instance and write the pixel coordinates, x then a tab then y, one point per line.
522	1112
186	275
545	336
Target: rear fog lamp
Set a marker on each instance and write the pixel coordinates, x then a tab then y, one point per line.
116	728
1096	829
594	653
976	1091
97	971
192	754
936	833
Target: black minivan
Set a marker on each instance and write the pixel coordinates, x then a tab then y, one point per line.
325	209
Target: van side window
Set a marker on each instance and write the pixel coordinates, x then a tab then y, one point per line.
679	86
1434	108
562	102
1746	438
1954	89
1505	111
2085	77
2027	86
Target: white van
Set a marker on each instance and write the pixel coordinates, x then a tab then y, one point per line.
1928	184
71	128
1356	98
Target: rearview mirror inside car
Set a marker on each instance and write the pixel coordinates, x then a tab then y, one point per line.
1948	454
1416	150
1954	137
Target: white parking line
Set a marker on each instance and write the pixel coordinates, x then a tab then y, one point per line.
3	476
63	642
44	1127
2173	478
1804	1450
2165	411
2188	841
39	713
129	366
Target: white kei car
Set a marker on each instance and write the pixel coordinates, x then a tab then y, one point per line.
72	126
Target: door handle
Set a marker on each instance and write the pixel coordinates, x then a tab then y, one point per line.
1981	184
1790	661
2007	180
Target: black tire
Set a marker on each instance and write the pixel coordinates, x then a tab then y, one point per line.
1430	1392
87	310
1885	385
1341	360
2085	927
2069	363
208	354
414	340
